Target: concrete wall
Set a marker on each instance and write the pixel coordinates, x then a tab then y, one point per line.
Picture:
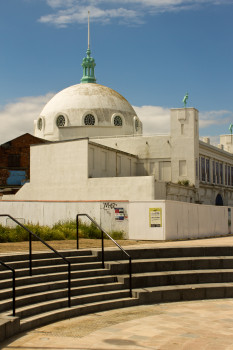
144	220
178	220
106	213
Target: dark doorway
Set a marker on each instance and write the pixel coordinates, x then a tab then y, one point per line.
219	200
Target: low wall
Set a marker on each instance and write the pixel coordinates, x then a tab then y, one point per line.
111	215
171	220
140	220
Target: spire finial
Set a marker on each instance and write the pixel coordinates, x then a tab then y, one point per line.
88	42
88	62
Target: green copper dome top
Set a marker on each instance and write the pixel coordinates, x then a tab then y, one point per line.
88	68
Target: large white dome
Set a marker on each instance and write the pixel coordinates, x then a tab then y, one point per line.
86	110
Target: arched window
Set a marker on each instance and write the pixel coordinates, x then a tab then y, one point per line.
61	121
40	123
219	200
118	120
89	119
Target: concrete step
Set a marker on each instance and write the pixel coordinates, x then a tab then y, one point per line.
166	278
51	269
44	255
21	281
164	294
41	307
74	311
21	264
50	286
160	253
171	264
29	299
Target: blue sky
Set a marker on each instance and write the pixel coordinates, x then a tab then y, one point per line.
150	51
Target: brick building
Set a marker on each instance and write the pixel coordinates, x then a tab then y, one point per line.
15	162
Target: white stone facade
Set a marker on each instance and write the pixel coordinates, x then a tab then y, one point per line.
171	167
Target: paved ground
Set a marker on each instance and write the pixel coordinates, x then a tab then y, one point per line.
192	325
206	324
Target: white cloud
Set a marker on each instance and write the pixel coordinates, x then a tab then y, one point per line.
17	118
207	119
70	11
73	14
155	119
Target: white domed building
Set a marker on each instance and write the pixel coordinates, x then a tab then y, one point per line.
97	161
87	110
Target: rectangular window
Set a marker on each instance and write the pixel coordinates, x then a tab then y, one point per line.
118	165
91	158
14	160
199	168
207	170
229	175
221	173
226	175
196	169
104	160
217	172
213	167
202	169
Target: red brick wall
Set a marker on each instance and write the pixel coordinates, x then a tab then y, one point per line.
20	145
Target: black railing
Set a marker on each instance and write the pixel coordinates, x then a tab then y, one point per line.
102	238
48	246
13	284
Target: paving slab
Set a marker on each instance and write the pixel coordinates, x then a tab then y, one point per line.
206	324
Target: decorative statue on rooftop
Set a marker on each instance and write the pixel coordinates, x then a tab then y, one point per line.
230	128
185	99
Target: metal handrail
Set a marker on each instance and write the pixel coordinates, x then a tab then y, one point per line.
48	246
102	235
13	284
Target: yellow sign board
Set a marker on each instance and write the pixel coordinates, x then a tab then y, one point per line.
155	217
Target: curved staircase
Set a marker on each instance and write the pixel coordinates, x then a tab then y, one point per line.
158	275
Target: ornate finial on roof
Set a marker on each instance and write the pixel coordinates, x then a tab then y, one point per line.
88	63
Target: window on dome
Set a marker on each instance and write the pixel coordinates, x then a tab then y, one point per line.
89	119
136	124
60	121
40	123
117	120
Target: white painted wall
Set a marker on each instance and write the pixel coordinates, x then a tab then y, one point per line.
179	220
51	212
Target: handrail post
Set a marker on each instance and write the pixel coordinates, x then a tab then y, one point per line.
77	228
13	291
69	284
30	259
130	277
102	237
30	253
102	234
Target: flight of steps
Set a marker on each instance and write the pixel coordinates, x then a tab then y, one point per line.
176	274
158	275
43	298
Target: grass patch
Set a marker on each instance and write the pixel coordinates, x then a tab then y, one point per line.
59	231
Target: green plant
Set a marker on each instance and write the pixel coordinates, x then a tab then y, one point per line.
59	231
184	182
